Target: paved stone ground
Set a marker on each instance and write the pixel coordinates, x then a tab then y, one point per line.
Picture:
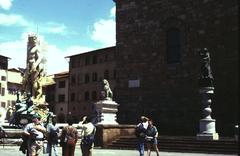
13	151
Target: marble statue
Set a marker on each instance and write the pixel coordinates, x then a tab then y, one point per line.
106	90
34	74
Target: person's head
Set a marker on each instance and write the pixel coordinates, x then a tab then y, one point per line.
144	119
150	122
36	118
87	119
54	119
70	121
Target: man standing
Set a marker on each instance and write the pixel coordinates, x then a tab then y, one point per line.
35	133
141	130
52	137
88	134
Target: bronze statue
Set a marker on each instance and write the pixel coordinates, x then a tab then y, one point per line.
206	78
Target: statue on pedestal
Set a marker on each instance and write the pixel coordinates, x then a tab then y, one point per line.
33	79
206	90
106	90
106	108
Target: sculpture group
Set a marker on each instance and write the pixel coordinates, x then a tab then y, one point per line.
33	79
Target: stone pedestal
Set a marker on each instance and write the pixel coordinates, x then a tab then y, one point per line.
207	124
207	130
106	110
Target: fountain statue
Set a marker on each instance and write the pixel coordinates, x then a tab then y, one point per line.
33	78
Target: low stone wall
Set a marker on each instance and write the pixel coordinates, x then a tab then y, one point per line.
105	134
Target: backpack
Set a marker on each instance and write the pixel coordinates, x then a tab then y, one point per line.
89	139
140	131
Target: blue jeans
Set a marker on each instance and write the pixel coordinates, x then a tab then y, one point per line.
141	147
49	149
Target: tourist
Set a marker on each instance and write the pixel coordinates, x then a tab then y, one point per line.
141	134
52	136
88	134
35	135
151	138
68	139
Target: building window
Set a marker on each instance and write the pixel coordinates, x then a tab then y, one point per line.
87	78
3	91
86	96
94	95
94	77
94	59
3	104
0	89
106	74
173	46
72	97
61	84
3	78
61	109
87	60
61	98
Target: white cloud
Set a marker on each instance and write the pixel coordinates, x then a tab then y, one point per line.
53	28
56	62
6	4
105	32
44	28
12	19
113	12
73	50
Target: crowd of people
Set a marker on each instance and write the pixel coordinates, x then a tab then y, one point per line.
35	134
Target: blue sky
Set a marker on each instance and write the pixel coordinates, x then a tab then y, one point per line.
65	27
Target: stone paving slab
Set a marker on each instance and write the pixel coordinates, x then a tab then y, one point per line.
13	151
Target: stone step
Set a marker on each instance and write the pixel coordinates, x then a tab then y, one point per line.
182	144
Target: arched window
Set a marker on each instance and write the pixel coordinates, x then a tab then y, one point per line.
173	45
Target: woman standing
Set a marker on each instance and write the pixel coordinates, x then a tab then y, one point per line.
151	138
68	139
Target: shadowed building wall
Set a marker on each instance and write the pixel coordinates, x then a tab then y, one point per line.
157	62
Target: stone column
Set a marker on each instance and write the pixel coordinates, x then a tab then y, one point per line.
207	124
206	90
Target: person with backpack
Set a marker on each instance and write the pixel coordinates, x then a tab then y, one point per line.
52	136
68	139
88	135
140	132
151	138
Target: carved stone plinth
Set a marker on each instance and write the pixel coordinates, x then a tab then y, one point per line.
107	110
207	124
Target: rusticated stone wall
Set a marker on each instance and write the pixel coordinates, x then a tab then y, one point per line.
169	92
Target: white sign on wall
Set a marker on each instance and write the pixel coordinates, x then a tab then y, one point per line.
133	83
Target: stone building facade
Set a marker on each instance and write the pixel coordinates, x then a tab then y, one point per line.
157	62
57	95
86	70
